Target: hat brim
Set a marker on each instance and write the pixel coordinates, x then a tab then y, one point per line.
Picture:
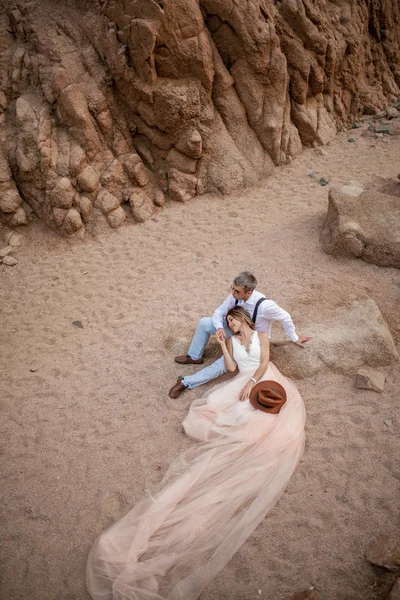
277	391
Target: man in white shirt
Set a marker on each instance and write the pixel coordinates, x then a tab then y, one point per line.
262	311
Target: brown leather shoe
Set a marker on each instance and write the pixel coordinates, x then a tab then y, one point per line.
185	359
177	389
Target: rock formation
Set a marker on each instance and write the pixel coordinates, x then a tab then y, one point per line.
346	339
109	106
363	224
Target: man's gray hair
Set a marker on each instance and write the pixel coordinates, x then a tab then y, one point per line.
246	280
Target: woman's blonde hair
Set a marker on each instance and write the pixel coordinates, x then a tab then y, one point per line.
240	314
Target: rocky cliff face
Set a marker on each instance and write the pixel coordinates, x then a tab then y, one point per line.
107	107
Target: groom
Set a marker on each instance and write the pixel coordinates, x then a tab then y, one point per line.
262	311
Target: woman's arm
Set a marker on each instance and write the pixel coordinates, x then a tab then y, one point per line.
227	351
264	360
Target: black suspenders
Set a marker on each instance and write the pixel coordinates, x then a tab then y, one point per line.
260	301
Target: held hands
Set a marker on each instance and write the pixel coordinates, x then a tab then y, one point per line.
245	393
300	342
221	335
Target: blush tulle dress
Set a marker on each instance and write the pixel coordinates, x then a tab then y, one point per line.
174	542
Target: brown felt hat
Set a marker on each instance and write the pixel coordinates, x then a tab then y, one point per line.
268	396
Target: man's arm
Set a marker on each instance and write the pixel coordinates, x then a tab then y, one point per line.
218	318
271	311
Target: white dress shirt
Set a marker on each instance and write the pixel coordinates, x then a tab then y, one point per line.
268	311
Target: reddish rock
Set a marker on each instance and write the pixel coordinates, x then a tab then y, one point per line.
181	162
85	206
158	197
18	218
190	143
135	169
141	206
116	217
62	194
106	201
72	221
6	251
77	159
114	178
59	215
370	379
363	224
219	90
74	110
181	187
88	180
9	261
10	201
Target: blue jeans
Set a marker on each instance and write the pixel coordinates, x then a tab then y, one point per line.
204	329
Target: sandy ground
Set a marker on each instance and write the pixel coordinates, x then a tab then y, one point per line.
91	428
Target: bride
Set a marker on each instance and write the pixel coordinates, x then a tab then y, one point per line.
173	543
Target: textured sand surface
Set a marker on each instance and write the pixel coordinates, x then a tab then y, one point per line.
91	429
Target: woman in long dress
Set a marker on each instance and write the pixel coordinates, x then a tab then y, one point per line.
173	543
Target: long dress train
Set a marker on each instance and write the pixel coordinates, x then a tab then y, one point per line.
173	543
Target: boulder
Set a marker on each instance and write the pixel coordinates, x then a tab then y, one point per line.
72	221
85	206
10	201
137	173
9	261
106	201
345	339
13	239
62	195
18	218
114	178
130	161
88	180
190	143
363	224
370	379
181	161
181	186
141	205
392	112
77	159
59	215
6	251
135	169
116	217
158	197
384	129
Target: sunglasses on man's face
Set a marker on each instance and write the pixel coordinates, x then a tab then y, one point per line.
235	290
